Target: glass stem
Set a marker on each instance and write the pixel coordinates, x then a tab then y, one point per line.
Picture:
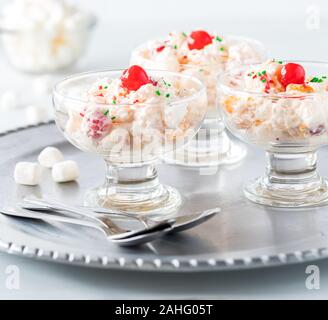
284	168
131	179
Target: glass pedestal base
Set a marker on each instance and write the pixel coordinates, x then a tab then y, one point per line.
287	196
135	191
292	181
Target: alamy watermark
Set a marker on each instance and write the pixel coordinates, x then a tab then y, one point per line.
12	277
312	21
312	281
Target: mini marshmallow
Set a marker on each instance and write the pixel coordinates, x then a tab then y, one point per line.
65	171
50	156
27	173
8	101
36	114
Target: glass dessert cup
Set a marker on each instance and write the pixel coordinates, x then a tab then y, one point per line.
290	128
132	149
41	50
212	145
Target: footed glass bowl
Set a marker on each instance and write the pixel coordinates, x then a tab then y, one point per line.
132	141
211	146
291	128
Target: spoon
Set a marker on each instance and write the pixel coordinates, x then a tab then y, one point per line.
179	224
106	226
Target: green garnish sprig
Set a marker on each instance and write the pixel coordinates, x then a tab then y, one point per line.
106	113
166	83
318	79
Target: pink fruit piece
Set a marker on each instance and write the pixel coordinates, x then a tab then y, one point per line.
99	125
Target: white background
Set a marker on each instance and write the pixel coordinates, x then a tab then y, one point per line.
285	27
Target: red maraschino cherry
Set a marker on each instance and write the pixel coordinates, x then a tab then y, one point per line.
292	73
134	78
200	40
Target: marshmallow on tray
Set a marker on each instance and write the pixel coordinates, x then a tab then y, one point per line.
65	171
50	156
27	173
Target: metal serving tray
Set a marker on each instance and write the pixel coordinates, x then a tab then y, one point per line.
244	235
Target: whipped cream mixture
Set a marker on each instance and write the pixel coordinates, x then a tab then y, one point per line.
136	115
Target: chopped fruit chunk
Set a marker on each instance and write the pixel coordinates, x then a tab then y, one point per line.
184	60
300	87
98	125
292	73
134	78
229	102
200	40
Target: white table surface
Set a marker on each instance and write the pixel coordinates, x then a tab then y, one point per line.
285	35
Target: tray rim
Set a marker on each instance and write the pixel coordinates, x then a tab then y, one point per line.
185	264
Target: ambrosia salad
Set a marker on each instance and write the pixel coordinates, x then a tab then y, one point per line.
44	35
276	102
200	54
135	115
